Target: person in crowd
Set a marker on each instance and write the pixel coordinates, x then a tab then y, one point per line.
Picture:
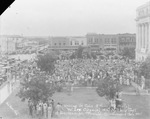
53	108
30	105
119	102
49	111
112	105
39	110
45	108
58	108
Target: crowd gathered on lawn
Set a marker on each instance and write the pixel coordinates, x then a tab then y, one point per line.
81	72
72	73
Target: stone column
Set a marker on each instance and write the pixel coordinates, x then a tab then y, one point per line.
141	36
145	34
142	31
137	37
147	44
149	37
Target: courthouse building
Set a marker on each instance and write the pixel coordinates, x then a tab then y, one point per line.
143	32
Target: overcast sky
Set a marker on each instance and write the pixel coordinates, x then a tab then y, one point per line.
70	17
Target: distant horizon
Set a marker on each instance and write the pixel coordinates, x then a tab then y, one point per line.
63	36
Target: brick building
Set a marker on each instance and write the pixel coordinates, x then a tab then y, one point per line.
127	41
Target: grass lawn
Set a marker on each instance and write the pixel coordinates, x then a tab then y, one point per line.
86	97
128	88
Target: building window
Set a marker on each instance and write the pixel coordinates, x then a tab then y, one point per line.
64	43
115	41
88	40
95	40
91	40
112	41
55	43
75	42
107	40
100	40
71	43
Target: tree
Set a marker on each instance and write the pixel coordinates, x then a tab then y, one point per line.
99	53
108	88
144	70
72	56
46	62
37	87
88	55
93	55
109	54
79	52
102	56
128	52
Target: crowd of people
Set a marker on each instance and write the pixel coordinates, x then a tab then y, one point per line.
87	72
79	72
45	110
9	70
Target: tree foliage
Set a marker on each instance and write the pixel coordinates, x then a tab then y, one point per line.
108	88
79	52
145	68
109	54
46	62
36	87
99	53
72	56
128	52
88	55
93	55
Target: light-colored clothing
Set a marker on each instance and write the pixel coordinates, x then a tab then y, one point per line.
45	110
113	104
49	111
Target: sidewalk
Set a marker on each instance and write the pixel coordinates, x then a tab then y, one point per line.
134	93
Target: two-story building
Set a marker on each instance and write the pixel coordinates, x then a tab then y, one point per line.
102	42
94	41
8	43
75	42
127	41
60	43
110	42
